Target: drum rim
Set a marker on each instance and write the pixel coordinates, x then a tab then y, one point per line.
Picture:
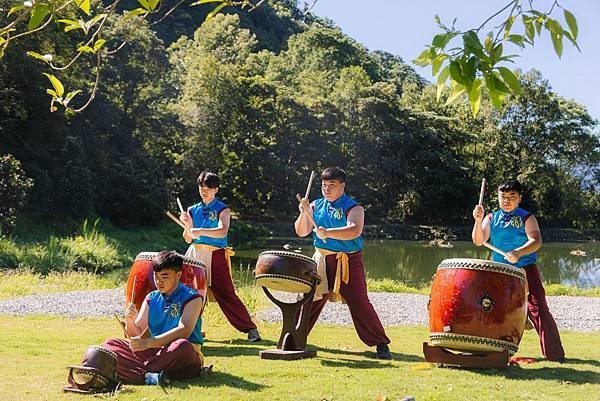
442	340
288	253
283	277
490	265
186	259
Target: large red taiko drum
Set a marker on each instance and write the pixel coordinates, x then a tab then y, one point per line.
193	275
477	305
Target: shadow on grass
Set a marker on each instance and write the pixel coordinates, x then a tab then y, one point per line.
558	373
576	361
217	379
370	354
356	364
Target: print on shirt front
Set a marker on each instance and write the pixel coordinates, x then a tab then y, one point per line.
507	232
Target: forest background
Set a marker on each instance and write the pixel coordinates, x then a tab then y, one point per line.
263	98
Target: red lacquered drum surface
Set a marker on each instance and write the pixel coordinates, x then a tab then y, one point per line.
193	275
477	305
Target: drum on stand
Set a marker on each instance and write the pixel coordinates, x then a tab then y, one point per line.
193	275
294	273
477	306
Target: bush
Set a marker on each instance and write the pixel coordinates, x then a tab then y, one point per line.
14	186
9	253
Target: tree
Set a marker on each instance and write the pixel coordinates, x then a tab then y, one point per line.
468	67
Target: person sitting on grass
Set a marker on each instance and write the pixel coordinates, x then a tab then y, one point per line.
516	232
172	315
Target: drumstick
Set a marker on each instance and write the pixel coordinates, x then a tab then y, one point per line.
176	220
310	218
482	192
310	180
493	248
122	325
133	289
180	207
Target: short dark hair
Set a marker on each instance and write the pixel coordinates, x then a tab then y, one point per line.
170	260
333	173
511	185
208	179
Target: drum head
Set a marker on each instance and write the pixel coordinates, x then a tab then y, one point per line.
485	265
283	283
287	254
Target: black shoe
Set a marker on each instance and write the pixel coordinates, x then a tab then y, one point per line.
383	352
254	336
560	360
163	379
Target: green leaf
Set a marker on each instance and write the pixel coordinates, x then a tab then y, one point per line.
508	25
488	43
441	82
457	90
437	63
530	31
15	9
425	57
38	13
70	96
85	49
496	96
510	78
475	96
441	40
572	23
215	11
84	5
557	43
516	39
134	13
70	24
472	43
99	43
197	3
58	86
45	59
152	4
144	3
437	19
52	92
497	52
456	73
570	37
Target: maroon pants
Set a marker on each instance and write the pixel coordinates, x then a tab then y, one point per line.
179	360
224	293
541	317
366	322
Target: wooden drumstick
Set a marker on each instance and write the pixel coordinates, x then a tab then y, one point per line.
482	192
176	220
310	181
485	243
310	218
493	248
122	325
133	289
180	206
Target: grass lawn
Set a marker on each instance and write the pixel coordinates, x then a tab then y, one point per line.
34	352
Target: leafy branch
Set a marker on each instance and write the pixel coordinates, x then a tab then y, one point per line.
478	60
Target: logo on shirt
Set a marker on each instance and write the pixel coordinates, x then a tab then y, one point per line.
510	221
175	309
212	216
336	213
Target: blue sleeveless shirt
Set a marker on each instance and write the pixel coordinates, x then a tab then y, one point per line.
507	232
207	216
333	215
164	312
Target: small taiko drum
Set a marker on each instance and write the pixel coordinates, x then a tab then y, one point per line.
193	275
286	271
477	305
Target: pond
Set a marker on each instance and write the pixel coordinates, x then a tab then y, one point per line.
415	262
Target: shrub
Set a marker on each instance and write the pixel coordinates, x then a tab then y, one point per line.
14	186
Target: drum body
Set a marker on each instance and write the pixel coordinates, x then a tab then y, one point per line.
477	305
193	275
285	271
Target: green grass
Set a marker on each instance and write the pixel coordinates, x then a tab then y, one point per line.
15	283
36	350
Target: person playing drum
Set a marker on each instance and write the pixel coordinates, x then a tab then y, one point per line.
338	244
172	315
516	232
207	224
